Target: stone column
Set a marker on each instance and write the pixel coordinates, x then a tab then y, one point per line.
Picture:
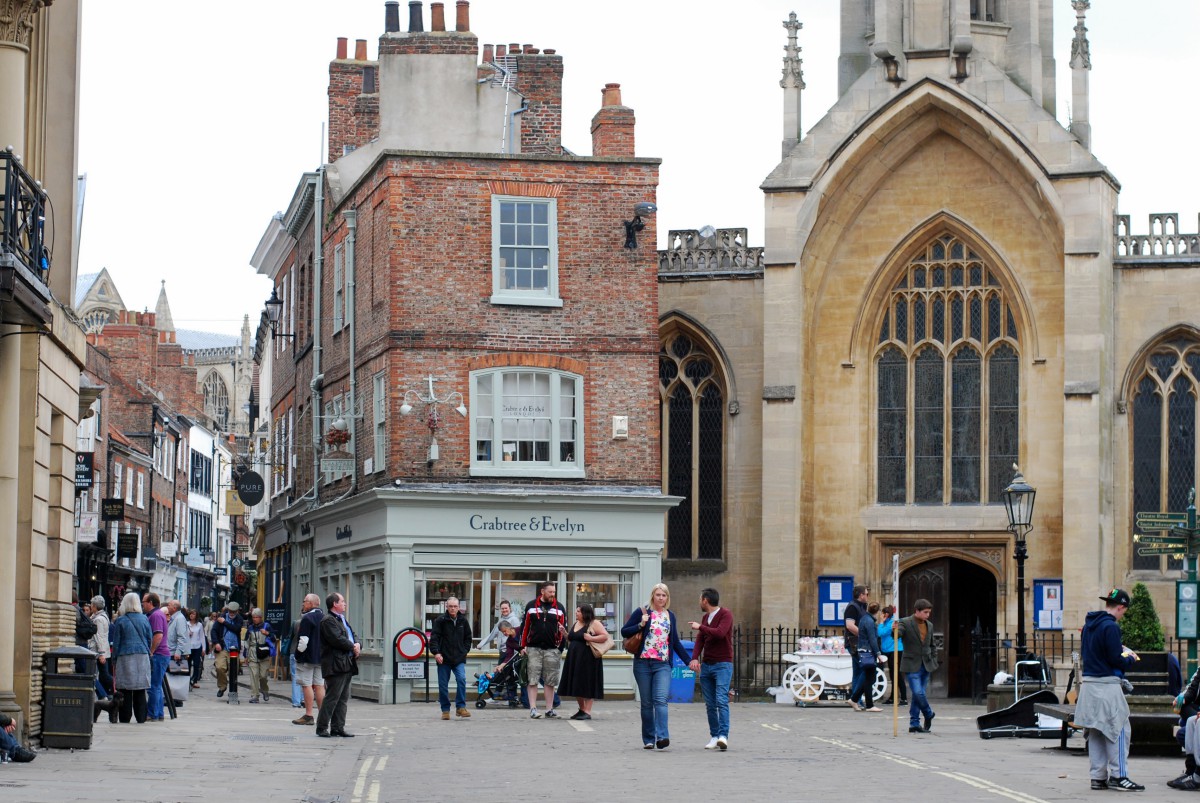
15	29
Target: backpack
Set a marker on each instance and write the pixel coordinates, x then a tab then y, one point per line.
85	628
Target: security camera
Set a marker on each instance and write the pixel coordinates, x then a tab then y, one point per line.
645	208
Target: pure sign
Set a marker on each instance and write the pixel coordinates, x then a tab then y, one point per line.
250	488
83	471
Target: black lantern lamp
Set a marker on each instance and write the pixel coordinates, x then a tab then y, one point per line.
1018	503
274	307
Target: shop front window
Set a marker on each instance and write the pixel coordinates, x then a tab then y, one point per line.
466	586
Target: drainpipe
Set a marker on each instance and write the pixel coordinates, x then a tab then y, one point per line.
150	490
351	230
318	264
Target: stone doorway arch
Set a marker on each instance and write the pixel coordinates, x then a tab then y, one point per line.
964	579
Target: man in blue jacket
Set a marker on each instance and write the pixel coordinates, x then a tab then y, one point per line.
1102	708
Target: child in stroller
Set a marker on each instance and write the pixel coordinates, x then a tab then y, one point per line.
501	683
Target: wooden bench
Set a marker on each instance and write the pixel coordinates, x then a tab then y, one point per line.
1153	731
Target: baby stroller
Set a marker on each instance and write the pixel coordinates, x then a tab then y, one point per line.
499	685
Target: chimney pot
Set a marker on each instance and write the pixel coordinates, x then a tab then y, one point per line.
341	48
437	21
532	51
462	19
514	49
488	54
527	48
612	95
549	51
391	16
416	19
360	49
500	51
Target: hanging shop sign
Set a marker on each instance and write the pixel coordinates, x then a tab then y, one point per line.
112	510
83	471
127	545
250	488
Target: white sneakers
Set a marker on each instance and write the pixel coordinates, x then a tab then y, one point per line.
712	744
718	743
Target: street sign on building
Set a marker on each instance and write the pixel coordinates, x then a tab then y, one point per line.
1160	521
233	504
337	465
83	471
112	509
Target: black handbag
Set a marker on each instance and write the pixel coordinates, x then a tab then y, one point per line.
263	653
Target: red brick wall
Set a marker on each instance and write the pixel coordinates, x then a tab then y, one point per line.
425	239
447	43
539	80
353	116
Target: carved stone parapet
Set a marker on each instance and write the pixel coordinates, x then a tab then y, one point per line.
1164	240
16	20
722	252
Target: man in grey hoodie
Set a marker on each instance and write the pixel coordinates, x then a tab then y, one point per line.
1102	708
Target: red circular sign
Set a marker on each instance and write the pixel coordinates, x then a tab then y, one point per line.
410	644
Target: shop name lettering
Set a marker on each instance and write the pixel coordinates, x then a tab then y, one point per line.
342	533
523	410
535	524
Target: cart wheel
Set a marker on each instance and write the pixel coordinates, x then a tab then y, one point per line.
804	683
481	703
882	684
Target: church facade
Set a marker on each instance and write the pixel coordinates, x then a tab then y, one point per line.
946	291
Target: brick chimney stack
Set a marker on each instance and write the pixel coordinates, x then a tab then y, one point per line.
353	99
612	127
538	78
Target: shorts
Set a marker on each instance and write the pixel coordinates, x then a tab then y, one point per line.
309	674
546	664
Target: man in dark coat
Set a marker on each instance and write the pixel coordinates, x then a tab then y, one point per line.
339	665
919	659
449	642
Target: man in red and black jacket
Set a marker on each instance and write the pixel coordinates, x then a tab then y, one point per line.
712	659
541	641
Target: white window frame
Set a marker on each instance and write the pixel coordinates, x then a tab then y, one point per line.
547	297
118	479
497	466
141	490
129	486
289	456
339	288
379	407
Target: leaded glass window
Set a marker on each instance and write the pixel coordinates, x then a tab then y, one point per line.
947	377
1164	436
693	436
216	400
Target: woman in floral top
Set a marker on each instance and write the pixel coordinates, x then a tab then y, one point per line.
652	663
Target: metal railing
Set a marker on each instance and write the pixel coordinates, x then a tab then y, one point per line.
758	657
22	216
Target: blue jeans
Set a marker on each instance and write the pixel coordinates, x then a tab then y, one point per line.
154	697
297	691
714	683
653	680
460	683
856	676
8	742
917	702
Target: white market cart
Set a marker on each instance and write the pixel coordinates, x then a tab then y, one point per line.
811	673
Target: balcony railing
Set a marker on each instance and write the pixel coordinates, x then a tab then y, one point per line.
23	218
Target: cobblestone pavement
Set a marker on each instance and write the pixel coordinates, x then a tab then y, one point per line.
214	751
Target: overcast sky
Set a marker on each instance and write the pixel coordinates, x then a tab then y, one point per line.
198	119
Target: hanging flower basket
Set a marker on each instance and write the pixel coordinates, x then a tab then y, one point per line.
337	437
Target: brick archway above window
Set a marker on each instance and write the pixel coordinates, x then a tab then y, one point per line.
552	362
526	189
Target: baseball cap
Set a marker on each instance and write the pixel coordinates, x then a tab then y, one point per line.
1117	596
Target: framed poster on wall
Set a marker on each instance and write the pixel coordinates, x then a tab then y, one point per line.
833	595
1048	604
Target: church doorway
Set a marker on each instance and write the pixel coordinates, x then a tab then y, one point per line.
963	596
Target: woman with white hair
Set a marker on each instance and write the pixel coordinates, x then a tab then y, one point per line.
131	653
659	633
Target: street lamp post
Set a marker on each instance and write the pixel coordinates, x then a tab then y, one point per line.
1018	503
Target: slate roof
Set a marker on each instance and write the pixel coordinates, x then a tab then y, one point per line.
83	283
195	340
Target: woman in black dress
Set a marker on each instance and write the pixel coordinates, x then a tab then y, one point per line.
583	672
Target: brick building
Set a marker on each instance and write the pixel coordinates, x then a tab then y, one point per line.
455	296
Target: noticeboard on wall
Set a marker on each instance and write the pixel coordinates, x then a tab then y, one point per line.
833	595
1048	604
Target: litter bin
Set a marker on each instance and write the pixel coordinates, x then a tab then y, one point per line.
683	679
68	698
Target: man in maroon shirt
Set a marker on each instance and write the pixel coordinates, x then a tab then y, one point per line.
712	658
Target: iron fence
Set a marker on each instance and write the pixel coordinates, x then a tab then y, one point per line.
758	662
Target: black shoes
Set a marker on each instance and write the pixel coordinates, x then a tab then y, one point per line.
1098	786
343	734
22	756
929	722
1124	785
663	744
323	734
917	729
580	715
220	692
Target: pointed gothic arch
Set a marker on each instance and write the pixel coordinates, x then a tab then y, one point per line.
694	392
216	399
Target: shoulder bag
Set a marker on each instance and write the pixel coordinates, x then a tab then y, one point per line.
598	649
633	644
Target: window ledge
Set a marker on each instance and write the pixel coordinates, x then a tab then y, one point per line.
547	472
525	301
683	566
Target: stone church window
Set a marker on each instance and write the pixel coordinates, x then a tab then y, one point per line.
1164	436
947	382
216	399
693	420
